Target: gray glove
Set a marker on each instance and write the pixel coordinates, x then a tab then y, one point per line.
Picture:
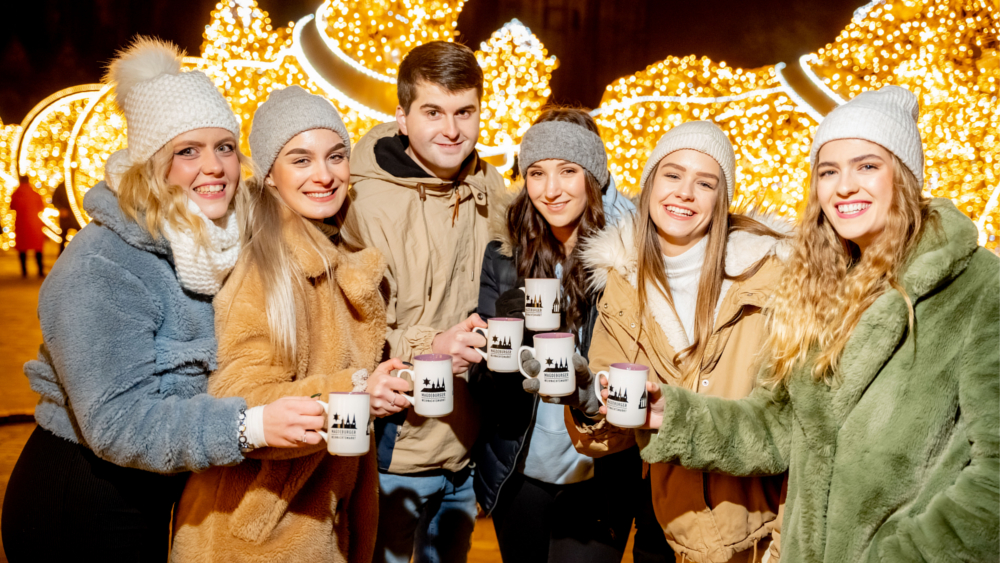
583	399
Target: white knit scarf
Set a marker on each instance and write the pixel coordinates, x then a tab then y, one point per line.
202	269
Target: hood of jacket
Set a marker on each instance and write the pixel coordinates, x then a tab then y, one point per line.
365	166
102	206
614	250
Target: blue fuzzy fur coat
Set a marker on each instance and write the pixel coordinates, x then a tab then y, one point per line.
127	352
898	460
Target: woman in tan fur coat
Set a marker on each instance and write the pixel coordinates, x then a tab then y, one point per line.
301	314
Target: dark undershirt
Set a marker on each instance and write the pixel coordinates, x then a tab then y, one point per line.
391	156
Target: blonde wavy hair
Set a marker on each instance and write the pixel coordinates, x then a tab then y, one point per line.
262	215
829	283
146	197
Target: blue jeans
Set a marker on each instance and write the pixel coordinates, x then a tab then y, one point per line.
431	515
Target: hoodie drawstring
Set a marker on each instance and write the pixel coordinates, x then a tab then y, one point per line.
458	198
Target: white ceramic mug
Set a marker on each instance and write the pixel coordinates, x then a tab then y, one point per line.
433	385
627	396
503	339
554	351
347	420
541	304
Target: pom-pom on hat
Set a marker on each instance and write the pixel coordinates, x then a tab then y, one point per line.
702	136
285	114
886	117
159	101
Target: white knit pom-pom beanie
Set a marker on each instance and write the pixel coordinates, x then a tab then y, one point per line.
702	136
159	101
886	117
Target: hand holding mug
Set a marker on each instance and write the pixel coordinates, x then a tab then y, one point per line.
385	389
584	398
654	410
288	419
460	343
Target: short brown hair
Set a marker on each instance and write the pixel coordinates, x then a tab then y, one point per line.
451	66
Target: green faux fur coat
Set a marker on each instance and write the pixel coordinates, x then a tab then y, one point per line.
899	460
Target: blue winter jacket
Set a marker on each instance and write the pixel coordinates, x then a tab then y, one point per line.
127	352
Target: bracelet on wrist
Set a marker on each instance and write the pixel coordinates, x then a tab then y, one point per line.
244	441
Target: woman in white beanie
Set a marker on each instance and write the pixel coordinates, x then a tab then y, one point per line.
883	363
683	286
128	328
301	314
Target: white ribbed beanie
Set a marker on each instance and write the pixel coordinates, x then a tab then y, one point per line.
886	117
702	136
159	101
285	114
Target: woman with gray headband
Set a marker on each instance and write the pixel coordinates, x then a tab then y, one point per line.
548	502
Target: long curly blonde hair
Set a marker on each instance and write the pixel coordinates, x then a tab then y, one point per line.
829	283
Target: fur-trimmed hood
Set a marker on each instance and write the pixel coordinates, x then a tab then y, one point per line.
614	250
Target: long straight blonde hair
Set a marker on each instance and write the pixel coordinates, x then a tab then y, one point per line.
263	215
829	283
146	197
652	270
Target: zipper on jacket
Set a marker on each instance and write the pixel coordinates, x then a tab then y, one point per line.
422	191
517	456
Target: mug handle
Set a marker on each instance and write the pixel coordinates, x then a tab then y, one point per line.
326	410
521	367
482	331
597	385
408	398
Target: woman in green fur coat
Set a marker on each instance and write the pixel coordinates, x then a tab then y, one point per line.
883	363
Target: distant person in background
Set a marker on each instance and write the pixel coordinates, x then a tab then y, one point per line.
27	204
60	200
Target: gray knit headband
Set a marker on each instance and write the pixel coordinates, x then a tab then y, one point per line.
285	114
564	141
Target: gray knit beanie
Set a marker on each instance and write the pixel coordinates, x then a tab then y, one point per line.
701	136
886	117
285	114
565	141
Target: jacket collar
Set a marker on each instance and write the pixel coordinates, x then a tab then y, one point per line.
941	255
102	206
358	274
364	166
614	251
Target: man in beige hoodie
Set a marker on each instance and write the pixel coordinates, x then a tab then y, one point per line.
422	198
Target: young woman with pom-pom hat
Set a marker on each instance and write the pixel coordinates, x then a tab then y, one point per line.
129	336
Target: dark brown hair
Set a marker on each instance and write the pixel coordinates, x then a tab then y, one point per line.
537	251
451	66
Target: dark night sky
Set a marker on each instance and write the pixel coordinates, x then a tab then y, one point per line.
52	44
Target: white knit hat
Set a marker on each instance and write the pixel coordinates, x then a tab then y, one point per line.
702	136
886	117
161	102
285	114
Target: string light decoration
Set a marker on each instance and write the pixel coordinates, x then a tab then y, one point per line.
378	33
516	69
770	132
946	53
945	50
9	135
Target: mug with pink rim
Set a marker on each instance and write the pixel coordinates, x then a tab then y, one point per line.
433	385
347	432
554	351
503	339
627	396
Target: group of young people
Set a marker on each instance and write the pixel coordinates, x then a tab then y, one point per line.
832	383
